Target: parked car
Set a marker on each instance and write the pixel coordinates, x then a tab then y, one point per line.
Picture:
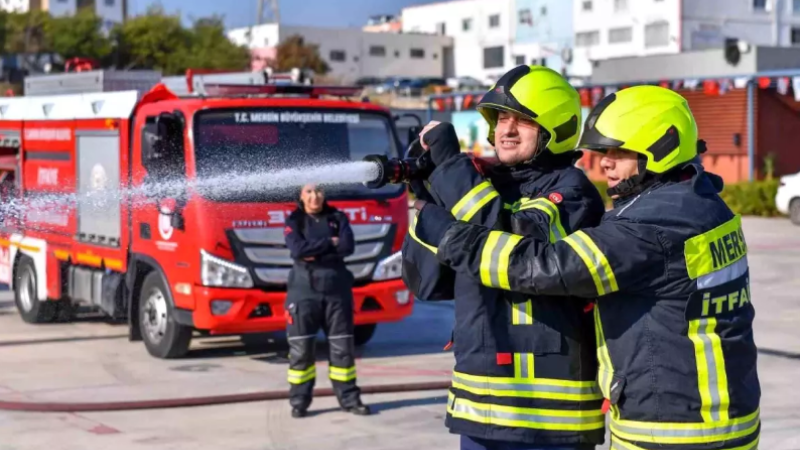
466	84
787	200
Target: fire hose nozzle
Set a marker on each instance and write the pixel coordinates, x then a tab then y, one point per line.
417	165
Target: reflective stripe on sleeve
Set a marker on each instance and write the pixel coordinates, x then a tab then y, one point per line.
343	374
302	376
712	379
685	433
605	369
509	416
724	275
527	388
413	235
494	258
546	206
595	261
473	201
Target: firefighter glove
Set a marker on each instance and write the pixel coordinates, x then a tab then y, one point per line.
442	142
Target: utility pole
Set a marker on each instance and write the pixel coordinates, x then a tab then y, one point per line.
260	13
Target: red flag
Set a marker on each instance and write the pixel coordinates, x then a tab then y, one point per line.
597	95
438	104
585	99
764	82
467	101
664	84
710	87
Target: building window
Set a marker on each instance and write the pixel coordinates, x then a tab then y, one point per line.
543	11
377	50
441	28
525	17
435	56
338	55
620	5
796	6
417	53
109	2
397	53
493	57
656	34
587	5
587	39
519	60
760	5
619	35
466	24
795	36
494	21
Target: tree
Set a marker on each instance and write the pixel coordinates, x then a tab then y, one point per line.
78	36
294	52
211	49
154	40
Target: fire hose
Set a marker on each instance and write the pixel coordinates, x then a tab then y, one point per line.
66	407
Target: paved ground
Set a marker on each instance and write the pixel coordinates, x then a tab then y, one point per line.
91	360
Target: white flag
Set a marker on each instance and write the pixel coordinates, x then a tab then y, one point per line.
741	82
610	90
796	88
691	84
783	85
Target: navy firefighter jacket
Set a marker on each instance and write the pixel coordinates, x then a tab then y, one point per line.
525	365
309	237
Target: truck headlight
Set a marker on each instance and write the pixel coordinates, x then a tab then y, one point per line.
389	268
218	272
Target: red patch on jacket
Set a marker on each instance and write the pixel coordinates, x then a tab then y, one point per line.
286	231
556	198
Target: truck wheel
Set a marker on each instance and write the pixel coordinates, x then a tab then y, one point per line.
26	295
363	333
794	211
163	337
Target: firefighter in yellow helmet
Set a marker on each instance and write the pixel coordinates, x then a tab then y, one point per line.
668	267
525	372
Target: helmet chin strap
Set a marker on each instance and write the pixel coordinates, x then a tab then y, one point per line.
541	145
636	183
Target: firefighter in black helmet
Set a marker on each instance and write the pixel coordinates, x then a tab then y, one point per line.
668	267
319	295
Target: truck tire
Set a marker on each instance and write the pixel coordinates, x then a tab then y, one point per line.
162	335
794	211
26	295
363	333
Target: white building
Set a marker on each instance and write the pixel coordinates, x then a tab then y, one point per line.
607	29
111	11
492	36
354	53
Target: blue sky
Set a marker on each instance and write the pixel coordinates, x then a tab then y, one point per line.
334	13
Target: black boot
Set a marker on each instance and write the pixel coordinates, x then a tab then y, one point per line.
359	410
298	413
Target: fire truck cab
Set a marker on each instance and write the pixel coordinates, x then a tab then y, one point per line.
127	201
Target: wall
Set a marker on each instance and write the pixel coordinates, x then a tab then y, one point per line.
603	17
468	44
356	44
778	121
738	18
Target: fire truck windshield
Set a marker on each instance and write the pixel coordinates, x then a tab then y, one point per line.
261	141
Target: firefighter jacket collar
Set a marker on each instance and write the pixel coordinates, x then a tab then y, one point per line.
703	183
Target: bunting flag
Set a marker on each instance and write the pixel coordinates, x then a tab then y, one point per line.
783	85
710	87
586	101
592	95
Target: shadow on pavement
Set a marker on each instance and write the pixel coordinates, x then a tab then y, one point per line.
379	407
778	353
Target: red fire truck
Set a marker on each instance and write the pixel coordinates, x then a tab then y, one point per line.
192	257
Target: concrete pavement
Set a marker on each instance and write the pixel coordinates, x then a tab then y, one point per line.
91	360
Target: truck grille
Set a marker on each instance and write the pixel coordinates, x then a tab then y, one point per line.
264	249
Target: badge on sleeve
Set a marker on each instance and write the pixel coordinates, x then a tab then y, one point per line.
556	198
